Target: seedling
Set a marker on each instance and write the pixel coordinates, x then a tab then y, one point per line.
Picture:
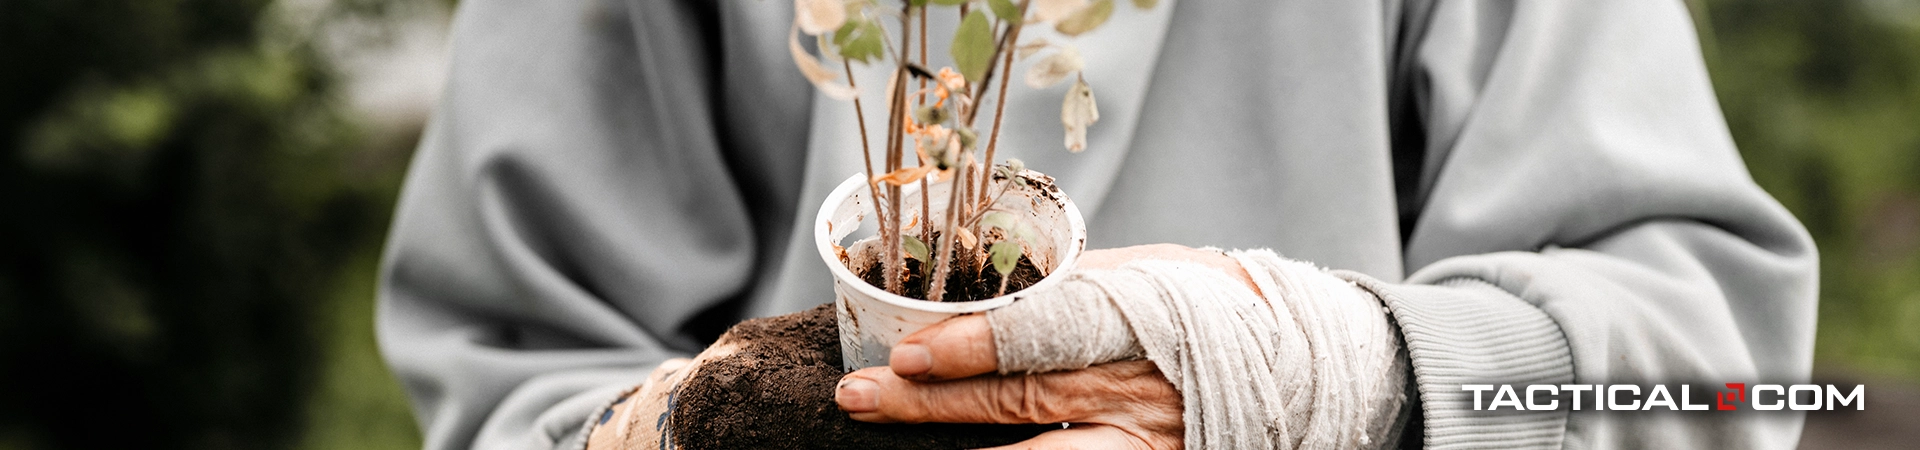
935	113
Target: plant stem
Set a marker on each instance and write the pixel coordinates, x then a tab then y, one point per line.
1005	58
866	150
999	112
938	287
922	101
926	218
890	230
896	118
975	219
895	261
967	259
926	208
966	189
890	233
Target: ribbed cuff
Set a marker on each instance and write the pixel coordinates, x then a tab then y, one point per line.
1466	331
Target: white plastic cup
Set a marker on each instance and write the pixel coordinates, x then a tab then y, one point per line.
872	320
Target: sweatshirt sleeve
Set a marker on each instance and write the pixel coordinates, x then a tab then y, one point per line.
1581	215
573	210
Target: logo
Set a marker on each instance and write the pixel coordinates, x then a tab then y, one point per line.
1634	397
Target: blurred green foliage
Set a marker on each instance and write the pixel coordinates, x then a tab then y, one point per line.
193	217
1823	98
190	216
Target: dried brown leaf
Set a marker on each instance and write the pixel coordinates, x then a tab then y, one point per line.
905	176
1052	10
966	237
1077	112
818	17
1050	70
810	67
1031	47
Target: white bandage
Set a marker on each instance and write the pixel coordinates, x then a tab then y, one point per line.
1313	364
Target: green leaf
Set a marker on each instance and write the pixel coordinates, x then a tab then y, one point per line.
1011	170
915	247
999	220
846	30
1009	226
973	46
860	40
1005	10
947	2
1086	19
1005	256
1026	233
1145	4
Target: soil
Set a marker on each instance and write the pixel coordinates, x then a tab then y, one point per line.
776	392
983	284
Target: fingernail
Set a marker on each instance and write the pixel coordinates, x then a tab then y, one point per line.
857	395
910	359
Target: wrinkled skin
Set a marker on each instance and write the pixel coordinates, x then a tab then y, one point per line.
948	373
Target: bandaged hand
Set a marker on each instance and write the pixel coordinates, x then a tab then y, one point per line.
1243	350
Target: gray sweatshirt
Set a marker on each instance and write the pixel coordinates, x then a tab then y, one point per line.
1544	191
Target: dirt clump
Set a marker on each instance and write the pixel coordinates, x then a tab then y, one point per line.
776	392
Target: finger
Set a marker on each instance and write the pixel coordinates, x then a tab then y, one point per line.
667	369
956	348
1118	392
663	378
1089	436
663	373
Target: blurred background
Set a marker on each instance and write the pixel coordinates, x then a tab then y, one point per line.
196	192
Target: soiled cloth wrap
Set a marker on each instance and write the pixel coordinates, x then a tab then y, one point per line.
1312	363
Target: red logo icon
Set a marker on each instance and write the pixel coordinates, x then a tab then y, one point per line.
1739	394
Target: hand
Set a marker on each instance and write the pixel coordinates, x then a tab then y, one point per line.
631	419
944	374
1325	365
635	417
